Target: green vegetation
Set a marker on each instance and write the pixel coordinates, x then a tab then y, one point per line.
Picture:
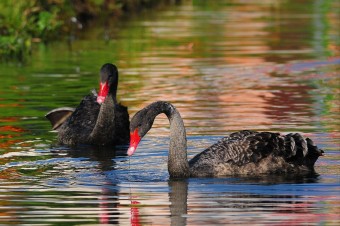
24	22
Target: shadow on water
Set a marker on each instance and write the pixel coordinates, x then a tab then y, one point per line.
122	201
178	196
103	160
103	155
182	201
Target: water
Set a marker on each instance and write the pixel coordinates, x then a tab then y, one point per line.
226	66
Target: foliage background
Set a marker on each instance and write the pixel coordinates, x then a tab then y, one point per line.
24	22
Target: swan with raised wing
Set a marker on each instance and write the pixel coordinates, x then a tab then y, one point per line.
98	120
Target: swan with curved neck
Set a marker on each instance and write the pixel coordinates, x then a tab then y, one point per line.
240	153
98	119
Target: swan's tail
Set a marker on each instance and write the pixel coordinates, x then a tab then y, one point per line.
300	150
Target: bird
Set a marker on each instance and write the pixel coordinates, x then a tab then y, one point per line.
243	153
98	120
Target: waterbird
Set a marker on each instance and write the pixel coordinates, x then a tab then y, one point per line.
98	120
249	153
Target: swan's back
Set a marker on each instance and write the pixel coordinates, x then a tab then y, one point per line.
255	153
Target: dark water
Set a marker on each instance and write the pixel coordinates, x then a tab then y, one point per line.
226	66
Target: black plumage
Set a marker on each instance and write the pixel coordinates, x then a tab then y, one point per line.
105	123
241	153
254	153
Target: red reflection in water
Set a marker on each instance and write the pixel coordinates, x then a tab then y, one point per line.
302	214
135	221
11	129
8	135
8	132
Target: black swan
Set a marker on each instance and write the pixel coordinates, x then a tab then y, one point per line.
241	153
98	120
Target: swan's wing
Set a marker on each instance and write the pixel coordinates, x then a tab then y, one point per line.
245	147
58	116
240	148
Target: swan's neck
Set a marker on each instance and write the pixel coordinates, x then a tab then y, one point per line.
178	165
105	123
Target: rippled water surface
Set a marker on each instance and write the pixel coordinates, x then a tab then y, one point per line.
226	66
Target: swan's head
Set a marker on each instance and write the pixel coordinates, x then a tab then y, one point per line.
140	124
108	81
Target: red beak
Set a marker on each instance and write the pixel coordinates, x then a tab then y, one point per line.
103	91
134	141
